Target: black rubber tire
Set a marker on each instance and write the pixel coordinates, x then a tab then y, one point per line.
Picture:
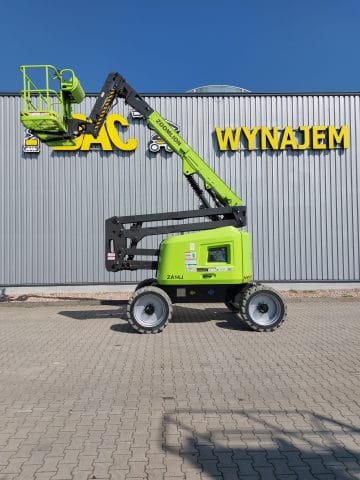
269	300
235	308
232	307
156	300
146	283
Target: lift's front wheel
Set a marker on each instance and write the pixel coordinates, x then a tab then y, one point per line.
262	308
149	310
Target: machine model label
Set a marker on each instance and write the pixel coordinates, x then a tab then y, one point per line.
174	276
317	137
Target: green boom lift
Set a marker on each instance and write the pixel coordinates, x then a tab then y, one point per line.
212	263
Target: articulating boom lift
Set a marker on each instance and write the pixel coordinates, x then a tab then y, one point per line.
211	264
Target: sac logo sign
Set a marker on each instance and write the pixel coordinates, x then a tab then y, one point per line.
109	137
318	137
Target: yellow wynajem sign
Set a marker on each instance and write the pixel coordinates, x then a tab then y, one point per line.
318	137
108	138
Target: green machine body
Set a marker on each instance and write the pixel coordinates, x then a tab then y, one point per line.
215	257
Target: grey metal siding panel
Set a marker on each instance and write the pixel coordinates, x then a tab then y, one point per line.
303	206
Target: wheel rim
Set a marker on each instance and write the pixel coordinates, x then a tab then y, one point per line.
150	310
264	308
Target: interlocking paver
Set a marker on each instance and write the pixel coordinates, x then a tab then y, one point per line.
64	471
83	475
83	397
137	469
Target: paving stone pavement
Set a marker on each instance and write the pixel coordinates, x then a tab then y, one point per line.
83	397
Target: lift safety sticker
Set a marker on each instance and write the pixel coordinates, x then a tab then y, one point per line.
190	261
213	269
191	267
219	269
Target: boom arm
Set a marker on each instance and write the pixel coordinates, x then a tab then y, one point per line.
122	234
116	86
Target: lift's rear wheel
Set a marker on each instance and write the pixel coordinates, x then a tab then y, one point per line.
149	310
261	308
146	283
233	307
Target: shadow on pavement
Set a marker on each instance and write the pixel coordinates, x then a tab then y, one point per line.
182	314
122	328
187	314
267	444
93	314
232	323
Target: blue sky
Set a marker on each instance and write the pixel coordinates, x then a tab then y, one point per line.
173	46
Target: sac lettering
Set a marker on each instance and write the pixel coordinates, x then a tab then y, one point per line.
317	137
108	139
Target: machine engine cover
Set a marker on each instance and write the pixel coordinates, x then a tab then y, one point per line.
212	257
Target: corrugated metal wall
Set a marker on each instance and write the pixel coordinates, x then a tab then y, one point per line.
303	206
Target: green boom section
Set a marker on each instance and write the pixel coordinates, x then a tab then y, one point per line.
192	162
47	113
